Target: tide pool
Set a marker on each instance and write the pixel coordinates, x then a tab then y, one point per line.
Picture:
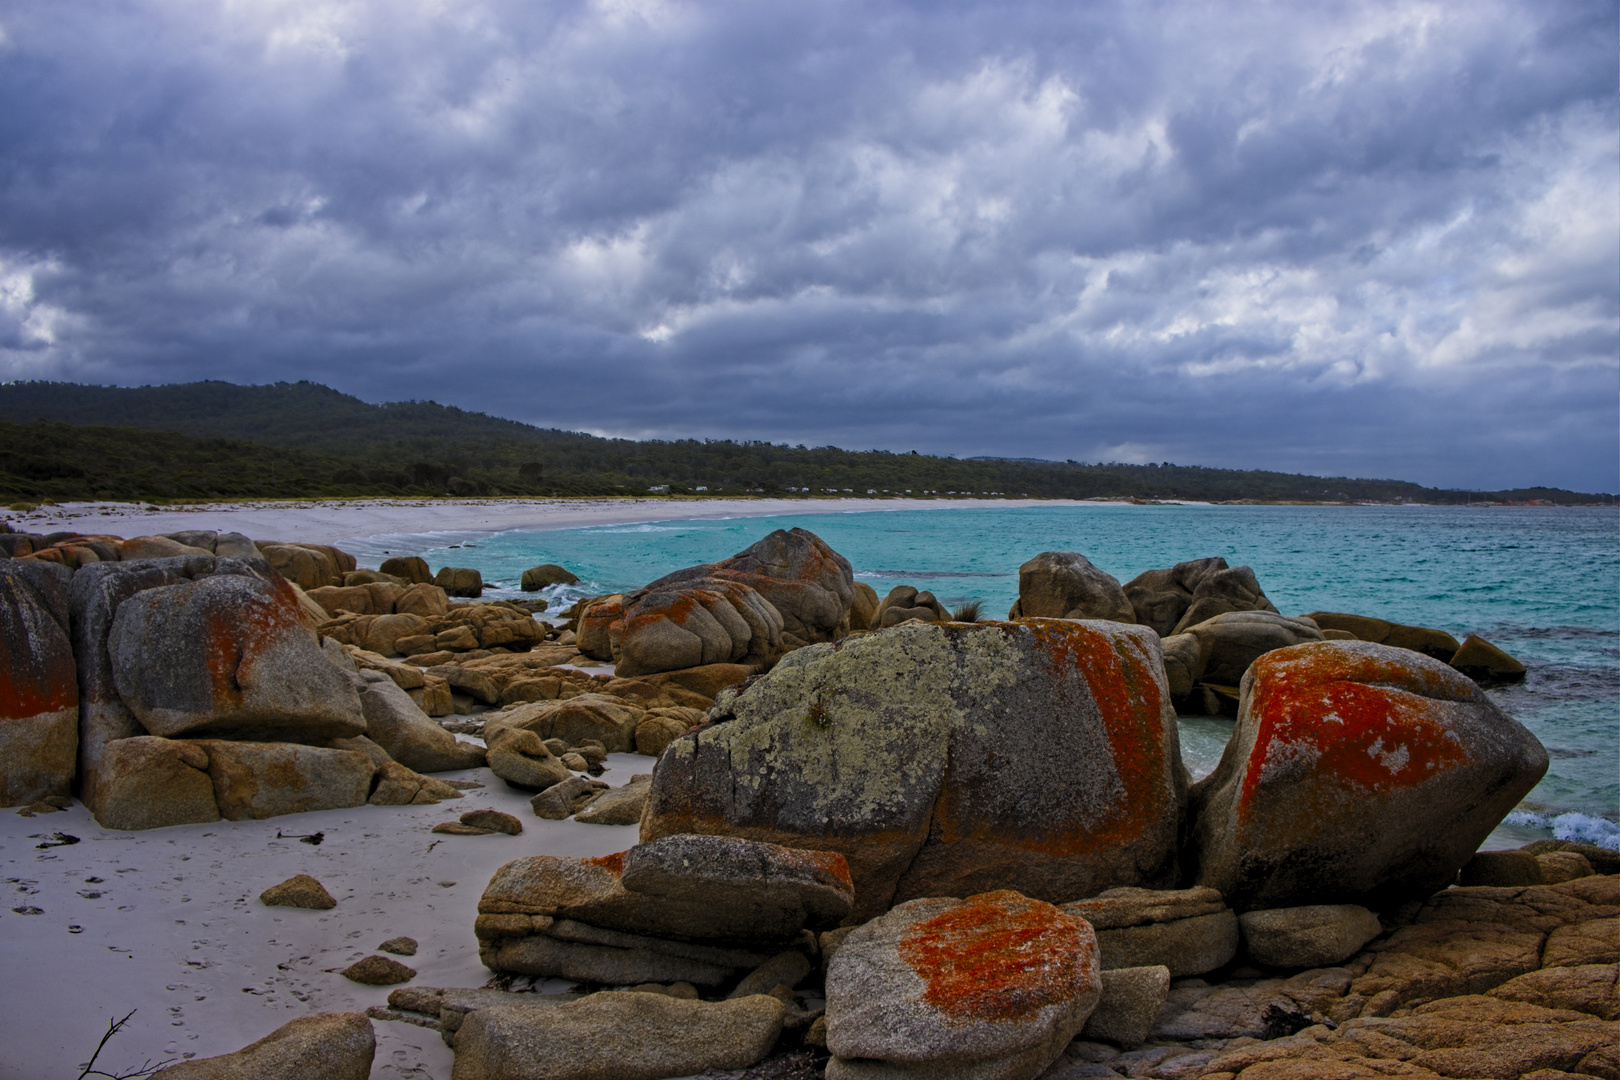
1542	583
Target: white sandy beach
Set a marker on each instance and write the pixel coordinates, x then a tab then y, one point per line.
332	521
168	922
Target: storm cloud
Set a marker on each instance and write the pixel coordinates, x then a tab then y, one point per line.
1373	239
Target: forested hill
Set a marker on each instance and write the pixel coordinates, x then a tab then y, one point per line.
65	441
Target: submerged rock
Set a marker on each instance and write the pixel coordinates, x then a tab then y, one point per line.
1355	773
947	759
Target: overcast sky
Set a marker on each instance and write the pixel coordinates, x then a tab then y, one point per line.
1361	238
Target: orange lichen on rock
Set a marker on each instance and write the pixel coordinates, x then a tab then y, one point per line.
1000	956
1359	719
613	864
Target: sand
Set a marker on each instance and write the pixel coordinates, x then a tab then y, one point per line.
333	521
168	922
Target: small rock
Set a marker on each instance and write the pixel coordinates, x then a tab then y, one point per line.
300	891
575	761
1318	935
377	970
399	946
456	828
785	968
563	800
617	806
493	821
1129	1006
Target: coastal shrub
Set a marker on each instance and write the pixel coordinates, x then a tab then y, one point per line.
970	611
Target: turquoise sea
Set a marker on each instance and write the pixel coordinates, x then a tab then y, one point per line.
1543	583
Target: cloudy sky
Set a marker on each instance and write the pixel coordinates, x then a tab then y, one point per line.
1374	239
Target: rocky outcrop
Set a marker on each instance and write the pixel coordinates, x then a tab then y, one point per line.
904	603
695	622
699	909
332	1046
1356	773
309	566
994	985
893	749
1436	644
435	625
39	690
1064	585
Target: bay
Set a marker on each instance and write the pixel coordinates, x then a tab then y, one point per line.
1541	582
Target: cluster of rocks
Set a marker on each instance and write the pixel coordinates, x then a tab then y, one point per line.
179	679
1214	620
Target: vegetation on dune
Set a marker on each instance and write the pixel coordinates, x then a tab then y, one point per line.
296	440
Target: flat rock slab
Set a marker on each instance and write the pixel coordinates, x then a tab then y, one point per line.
623	1034
893	749
696	888
1185	946
991	986
1131	906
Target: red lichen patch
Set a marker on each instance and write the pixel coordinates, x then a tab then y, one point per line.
820	864
1317	703
613	864
37	674
999	957
1130	705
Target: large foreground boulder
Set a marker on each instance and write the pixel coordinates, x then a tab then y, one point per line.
1064	585
1356	773
224	654
39	689
332	1046
992	986
945	760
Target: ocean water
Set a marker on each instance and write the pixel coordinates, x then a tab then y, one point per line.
1542	583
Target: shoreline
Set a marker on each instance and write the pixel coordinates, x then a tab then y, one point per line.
334	521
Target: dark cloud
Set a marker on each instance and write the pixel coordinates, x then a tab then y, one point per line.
1366	239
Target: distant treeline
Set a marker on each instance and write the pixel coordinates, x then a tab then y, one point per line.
64	441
